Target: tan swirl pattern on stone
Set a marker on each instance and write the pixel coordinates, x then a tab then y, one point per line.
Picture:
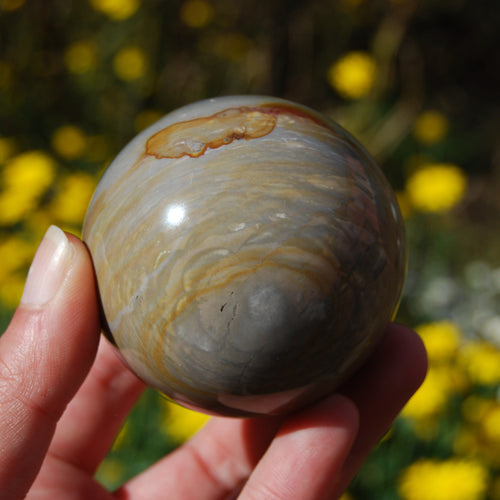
248	253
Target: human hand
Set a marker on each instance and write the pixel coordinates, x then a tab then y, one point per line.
64	396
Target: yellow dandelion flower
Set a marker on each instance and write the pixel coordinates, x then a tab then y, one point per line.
69	142
32	171
430	127
81	57
431	398
196	13
353	75
72	198
117	10
443	480
436	187
180	423
25	178
130	63
441	339
10	5
481	362
15	205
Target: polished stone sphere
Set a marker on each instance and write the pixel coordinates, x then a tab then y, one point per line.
248	254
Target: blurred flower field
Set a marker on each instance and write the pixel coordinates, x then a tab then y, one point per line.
416	82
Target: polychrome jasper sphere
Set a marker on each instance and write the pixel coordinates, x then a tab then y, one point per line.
248	254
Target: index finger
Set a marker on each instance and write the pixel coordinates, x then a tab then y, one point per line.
45	354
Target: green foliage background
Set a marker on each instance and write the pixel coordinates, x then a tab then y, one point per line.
437	55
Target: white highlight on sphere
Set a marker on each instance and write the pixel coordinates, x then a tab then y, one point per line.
175	215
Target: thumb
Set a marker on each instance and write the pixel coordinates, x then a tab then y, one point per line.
45	355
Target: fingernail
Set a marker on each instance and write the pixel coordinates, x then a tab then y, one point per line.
48	268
